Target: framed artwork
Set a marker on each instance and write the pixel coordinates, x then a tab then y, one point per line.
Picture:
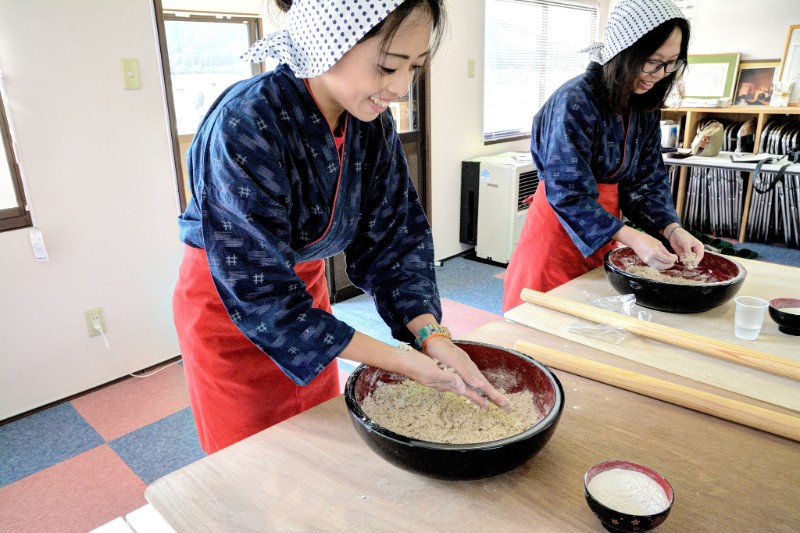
755	82
790	63
710	75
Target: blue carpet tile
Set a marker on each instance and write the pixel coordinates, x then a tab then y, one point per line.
43	439
157	449
471	283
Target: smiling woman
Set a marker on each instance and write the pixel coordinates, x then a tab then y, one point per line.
287	169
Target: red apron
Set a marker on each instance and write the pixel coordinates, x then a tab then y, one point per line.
545	256
234	388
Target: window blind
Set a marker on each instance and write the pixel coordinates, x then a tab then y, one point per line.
531	48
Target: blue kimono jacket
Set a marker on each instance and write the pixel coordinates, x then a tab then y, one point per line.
577	143
268	191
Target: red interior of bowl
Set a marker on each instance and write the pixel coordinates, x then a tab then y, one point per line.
713	268
504	369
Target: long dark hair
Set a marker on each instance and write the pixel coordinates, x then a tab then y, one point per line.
388	27
620	75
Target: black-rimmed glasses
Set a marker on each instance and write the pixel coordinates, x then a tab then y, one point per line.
653	66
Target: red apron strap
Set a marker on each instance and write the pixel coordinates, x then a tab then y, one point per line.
545	256
234	388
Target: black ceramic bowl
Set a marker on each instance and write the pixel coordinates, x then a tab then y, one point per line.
720	279
617	521
464	461
788	322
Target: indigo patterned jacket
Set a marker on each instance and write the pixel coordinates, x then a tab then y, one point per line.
268	192
577	143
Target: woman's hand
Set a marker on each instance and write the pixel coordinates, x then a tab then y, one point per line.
466	381
651	251
648	248
689	249
471	383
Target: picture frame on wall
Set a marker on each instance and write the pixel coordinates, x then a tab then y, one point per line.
754	84
710	75
790	63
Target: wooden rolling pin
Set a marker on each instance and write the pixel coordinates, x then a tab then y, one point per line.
740	412
677	337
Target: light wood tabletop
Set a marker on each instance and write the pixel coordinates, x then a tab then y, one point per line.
764	280
314	473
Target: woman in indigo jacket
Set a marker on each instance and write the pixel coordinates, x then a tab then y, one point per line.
596	143
289	168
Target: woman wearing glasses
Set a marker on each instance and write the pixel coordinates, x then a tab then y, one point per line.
596	143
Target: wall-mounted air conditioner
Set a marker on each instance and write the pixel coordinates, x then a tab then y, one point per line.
493	208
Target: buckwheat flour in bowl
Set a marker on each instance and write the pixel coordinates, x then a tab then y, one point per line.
420	412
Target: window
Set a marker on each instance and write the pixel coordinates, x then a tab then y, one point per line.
204	61
531	48
200	57
13	210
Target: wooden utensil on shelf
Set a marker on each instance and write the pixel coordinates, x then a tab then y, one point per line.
726	408
676	337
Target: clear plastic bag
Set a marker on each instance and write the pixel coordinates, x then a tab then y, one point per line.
623	304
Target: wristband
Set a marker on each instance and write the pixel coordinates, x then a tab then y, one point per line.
430	331
672	231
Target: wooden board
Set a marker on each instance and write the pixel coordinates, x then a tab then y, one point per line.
729	376
764	280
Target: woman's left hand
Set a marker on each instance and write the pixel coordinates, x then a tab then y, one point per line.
686	245
442	349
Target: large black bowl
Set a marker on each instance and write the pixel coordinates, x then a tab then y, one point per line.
720	279
464	461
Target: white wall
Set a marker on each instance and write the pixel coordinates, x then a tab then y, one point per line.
756	29
100	183
457	120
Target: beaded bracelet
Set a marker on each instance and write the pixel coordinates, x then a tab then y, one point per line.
430	331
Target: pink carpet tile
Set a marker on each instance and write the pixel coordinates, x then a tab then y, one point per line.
134	403
76	495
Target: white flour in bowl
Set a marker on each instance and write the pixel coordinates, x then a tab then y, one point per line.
628	491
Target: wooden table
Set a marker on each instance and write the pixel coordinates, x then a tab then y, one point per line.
313	473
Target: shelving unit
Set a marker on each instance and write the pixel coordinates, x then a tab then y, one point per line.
688	118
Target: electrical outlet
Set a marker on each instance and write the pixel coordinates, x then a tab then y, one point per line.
94	317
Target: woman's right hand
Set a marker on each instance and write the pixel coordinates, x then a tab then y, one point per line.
422	368
649	249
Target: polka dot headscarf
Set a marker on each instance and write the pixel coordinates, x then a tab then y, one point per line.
628	22
320	32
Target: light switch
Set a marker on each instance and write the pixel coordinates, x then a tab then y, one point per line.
470	68
130	74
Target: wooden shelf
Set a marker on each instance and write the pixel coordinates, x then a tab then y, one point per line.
691	116
723	161
739	109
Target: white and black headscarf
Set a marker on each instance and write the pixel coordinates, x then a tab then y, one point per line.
629	21
320	32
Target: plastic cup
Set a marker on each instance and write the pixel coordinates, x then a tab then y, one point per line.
749	316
